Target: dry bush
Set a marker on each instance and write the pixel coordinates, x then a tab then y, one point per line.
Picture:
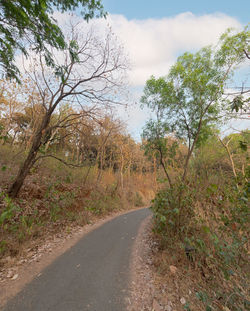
205	237
55	196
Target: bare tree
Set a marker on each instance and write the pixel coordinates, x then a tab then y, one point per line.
87	75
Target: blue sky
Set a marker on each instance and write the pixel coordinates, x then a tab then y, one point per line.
142	9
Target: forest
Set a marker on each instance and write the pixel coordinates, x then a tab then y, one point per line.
67	159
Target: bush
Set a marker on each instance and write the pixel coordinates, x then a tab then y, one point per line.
210	223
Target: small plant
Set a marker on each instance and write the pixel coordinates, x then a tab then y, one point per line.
9	210
3	246
138	200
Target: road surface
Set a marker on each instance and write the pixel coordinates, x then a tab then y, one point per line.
92	275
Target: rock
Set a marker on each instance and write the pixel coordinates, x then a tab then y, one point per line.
183	300
173	269
156	306
14	277
10	274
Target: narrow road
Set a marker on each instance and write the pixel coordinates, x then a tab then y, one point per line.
92	275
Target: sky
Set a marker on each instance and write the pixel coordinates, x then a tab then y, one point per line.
143	9
156	32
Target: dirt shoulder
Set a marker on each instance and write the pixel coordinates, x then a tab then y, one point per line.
141	270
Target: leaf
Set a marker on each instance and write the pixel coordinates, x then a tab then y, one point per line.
212	189
163	218
205	229
243	145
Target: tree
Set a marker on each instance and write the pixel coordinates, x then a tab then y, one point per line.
10	104
188	100
154	134
33	21
236	146
89	75
238	46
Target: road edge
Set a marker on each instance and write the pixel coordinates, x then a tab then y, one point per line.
27	271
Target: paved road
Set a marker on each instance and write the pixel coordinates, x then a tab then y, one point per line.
91	276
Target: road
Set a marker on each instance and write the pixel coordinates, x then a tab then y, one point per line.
92	275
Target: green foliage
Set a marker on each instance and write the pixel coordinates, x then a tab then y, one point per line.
9	211
240	103
3	245
216	234
186	307
32	19
156	141
172	216
189	100
234	47
188	97
58	200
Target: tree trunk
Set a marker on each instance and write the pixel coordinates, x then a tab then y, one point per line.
165	169
226	146
31	158
50	139
155	171
121	171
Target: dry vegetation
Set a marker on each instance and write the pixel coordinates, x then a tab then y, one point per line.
201	213
54	197
201	260
65	160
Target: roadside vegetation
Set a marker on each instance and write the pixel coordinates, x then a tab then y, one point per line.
56	197
87	166
65	158
201	212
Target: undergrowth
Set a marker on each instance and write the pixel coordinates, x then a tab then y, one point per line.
205	221
55	197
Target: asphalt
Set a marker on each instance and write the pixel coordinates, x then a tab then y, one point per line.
93	275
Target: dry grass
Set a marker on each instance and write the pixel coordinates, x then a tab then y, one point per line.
55	197
215	276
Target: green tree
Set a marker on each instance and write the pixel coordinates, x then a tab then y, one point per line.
156	144
23	21
189	100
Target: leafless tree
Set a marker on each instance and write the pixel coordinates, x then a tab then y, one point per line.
88	75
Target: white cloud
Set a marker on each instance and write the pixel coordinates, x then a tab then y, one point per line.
153	44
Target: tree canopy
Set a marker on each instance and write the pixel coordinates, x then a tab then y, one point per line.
188	100
31	21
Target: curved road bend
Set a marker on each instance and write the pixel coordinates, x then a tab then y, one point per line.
92	275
